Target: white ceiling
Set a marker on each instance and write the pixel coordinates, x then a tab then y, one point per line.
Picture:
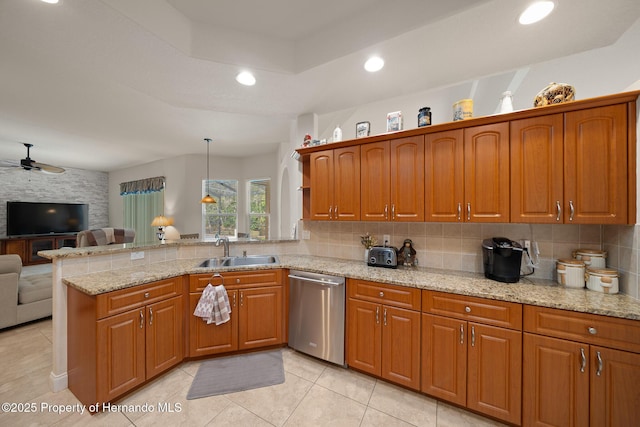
105	85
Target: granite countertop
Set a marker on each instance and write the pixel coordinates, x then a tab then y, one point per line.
53	254
545	293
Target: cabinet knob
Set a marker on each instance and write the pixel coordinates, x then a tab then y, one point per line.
146	294
238	281
467	309
381	294
593	330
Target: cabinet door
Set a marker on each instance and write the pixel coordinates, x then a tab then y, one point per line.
18	247
537	170
364	344
444	358
407	179
37	245
444	176
205	339
346	199
615	397
595	151
555	382
120	354
375	171
164	335
321	185
486	176
494	383
401	346
260	317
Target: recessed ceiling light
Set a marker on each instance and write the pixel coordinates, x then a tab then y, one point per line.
536	12
50	1
246	78
373	64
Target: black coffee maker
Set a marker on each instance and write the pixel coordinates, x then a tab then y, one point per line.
502	258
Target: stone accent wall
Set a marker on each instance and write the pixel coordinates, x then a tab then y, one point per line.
73	186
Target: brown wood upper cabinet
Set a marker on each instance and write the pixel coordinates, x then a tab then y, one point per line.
335	184
467	174
392	180
571	167
571	163
595	157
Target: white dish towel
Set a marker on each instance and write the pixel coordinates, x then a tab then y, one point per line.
213	305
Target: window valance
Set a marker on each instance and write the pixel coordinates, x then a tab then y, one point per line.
147	185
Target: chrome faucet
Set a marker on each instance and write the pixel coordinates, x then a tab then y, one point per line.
225	242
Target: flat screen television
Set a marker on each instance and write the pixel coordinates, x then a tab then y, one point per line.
32	218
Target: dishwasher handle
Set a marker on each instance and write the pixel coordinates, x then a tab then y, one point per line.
309	279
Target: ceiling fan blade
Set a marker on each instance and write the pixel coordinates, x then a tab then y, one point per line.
43	167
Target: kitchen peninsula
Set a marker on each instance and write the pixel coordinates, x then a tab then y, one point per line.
537	304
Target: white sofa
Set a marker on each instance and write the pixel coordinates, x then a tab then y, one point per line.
22	299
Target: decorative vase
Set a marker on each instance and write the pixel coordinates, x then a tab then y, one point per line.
366	255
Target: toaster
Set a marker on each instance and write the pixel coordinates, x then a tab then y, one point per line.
383	256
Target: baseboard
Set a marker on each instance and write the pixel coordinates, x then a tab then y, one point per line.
58	382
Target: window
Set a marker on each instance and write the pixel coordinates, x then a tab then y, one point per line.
220	218
143	200
259	208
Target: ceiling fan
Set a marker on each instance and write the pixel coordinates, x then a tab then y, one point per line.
29	164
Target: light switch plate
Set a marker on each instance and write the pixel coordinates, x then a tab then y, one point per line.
137	255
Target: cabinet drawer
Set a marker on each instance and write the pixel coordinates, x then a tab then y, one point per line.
128	299
398	296
481	310
236	279
623	334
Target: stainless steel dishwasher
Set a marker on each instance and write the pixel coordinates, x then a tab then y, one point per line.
316	315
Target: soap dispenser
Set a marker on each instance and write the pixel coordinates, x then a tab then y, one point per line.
337	134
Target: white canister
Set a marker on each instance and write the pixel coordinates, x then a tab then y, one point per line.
602	280
592	258
570	273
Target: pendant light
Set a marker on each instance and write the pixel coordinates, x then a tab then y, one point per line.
207	198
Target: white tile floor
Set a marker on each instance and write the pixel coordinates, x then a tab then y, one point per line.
314	394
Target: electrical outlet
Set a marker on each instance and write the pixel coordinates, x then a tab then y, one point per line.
527	245
386	240
137	255
306	234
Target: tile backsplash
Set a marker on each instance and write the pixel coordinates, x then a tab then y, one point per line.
454	246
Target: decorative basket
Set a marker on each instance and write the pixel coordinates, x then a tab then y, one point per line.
555	93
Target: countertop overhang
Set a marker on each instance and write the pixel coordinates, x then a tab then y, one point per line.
544	293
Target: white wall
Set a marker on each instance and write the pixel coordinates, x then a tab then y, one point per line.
183	191
603	71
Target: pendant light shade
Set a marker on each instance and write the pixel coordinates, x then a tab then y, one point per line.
207	198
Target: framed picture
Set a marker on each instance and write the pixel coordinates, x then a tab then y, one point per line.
394	121
362	129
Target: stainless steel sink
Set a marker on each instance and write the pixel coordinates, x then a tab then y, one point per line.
235	261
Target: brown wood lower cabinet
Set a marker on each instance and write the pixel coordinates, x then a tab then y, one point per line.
382	338
573	376
257	316
118	340
470	363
